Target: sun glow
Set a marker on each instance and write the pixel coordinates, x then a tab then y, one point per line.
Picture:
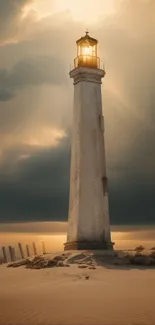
87	11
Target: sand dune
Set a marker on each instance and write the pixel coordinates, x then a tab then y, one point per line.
63	296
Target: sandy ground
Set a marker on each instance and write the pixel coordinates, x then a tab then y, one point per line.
62	296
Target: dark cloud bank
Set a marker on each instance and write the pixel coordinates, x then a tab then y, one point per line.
37	188
33	71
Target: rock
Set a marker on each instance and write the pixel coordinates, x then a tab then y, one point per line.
52	263
89	262
37	267
152	255
92	268
43	264
87	277
82	266
60	264
150	261
38	261
142	260
76	258
139	248
59	258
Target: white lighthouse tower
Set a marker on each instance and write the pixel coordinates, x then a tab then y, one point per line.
88	224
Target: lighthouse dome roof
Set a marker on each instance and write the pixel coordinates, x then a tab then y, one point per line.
87	38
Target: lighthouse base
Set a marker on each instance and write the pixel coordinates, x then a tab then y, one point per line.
88	245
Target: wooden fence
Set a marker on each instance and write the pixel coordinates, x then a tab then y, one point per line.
12	254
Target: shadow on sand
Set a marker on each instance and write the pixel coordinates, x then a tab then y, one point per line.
124	260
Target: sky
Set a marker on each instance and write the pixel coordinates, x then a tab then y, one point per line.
37	46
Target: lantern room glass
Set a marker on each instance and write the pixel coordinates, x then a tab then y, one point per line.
87	53
87	49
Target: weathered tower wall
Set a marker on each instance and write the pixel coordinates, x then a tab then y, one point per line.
88	224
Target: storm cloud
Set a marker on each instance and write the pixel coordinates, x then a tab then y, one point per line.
11	18
32	71
37	188
36	97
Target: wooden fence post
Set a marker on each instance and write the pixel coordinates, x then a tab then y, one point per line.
21	250
43	248
4	254
27	251
34	248
11	254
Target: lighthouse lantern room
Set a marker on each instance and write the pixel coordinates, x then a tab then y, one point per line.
87	52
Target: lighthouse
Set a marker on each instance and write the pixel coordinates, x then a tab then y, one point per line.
88	220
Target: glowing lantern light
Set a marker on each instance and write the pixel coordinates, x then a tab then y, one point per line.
87	52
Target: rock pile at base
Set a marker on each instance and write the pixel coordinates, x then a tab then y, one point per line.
136	259
63	260
40	262
140	259
82	260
